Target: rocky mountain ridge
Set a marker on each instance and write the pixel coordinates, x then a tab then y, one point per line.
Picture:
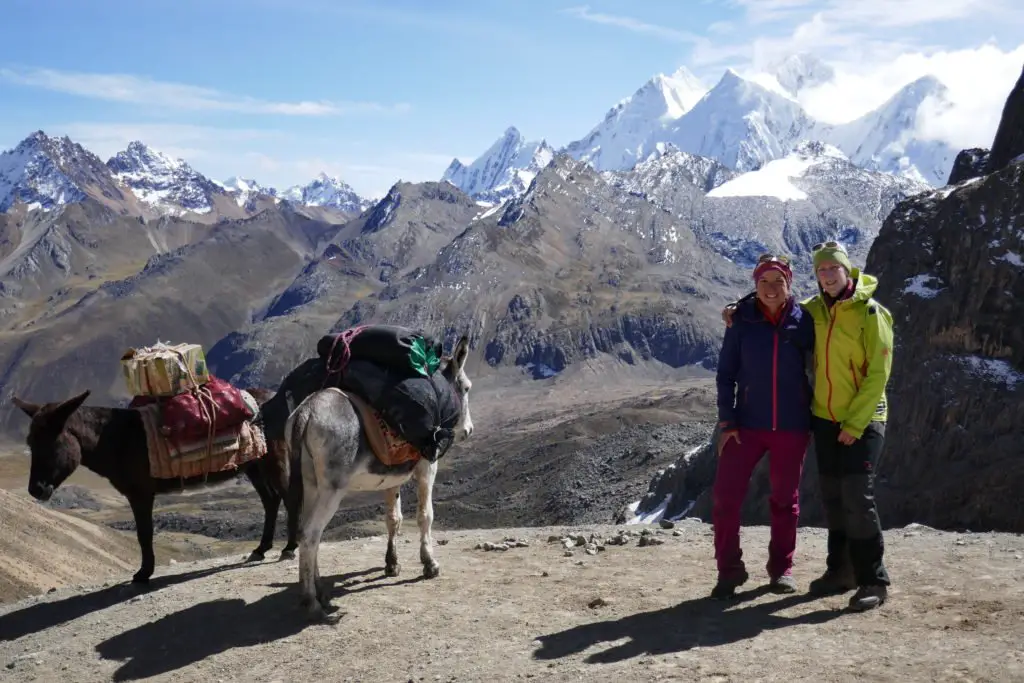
583	267
746	121
44	173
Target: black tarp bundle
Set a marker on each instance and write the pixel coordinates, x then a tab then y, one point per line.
392	368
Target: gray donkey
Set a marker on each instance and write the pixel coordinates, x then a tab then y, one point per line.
326	439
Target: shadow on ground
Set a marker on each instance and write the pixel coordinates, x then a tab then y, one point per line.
44	615
184	638
701	622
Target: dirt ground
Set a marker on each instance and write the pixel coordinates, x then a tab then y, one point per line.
42	548
630	612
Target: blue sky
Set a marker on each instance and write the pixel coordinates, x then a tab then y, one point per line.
376	90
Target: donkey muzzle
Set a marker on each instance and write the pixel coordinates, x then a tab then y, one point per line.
40	491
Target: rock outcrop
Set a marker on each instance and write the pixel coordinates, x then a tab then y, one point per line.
1009	141
969	163
951	269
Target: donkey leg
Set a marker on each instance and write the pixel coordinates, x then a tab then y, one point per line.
316	514
142	510
292	505
425	518
284	477
393	519
271	504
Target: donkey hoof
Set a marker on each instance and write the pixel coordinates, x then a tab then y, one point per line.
431	571
317	612
141	578
392	569
286	554
255	556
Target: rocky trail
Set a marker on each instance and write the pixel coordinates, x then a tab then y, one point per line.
611	611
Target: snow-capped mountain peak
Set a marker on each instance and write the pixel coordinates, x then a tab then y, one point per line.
161	181
246	190
625	135
741	123
240	184
888	138
139	158
505	169
326	191
679	91
802	71
48	172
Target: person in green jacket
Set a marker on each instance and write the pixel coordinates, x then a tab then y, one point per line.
853	350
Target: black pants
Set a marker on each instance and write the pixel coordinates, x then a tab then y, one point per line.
847	478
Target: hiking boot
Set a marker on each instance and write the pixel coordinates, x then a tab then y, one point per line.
726	586
832	582
868	597
783	584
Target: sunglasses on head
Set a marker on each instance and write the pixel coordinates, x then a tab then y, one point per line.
831	244
769	258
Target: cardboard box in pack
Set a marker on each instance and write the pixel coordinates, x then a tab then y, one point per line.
164	369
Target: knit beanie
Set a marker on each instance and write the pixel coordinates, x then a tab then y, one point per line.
765	266
835	254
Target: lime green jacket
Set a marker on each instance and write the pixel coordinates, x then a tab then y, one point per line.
853	345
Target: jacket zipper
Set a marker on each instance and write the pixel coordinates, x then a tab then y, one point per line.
775	378
853	373
828	342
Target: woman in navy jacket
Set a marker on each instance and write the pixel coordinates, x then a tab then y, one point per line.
764	404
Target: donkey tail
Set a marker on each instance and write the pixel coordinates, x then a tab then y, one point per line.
295	442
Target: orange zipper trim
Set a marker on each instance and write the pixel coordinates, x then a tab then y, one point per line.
828	377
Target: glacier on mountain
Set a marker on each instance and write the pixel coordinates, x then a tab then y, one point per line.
774	179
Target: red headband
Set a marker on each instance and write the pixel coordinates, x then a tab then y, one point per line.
765	266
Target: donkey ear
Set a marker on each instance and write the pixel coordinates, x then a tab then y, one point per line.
63	411
461	352
29	409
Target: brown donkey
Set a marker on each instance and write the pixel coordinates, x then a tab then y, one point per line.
112	443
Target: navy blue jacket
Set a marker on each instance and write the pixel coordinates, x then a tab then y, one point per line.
762	369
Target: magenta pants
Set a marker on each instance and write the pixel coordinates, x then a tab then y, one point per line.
786	451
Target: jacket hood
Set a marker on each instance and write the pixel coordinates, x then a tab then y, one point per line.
866	285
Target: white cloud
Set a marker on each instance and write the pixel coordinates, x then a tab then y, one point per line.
851	30
129	89
630	24
978	82
767	11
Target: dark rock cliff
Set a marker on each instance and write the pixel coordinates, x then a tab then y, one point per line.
1009	140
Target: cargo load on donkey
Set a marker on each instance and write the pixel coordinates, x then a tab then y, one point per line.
391	368
195	423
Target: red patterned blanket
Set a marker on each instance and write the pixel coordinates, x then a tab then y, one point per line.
207	412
